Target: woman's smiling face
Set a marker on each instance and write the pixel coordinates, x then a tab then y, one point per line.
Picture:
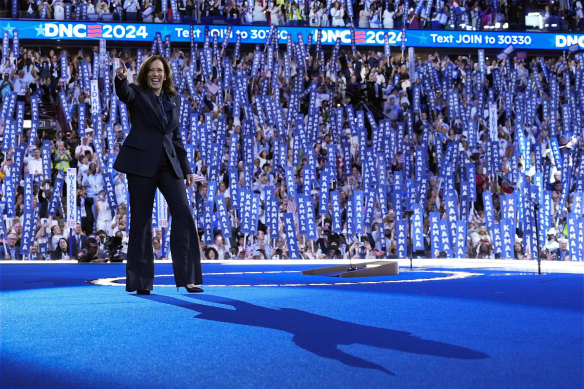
156	76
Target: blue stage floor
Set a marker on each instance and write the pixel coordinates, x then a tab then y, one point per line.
268	326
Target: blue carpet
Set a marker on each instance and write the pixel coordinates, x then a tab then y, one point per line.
494	330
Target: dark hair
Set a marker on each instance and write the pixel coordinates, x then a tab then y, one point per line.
167	84
91	241
59	244
209	250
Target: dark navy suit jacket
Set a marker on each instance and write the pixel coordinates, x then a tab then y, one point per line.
16	252
150	134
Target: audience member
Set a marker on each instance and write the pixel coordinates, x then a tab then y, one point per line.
61	251
382	87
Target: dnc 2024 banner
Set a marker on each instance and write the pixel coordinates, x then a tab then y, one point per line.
50	29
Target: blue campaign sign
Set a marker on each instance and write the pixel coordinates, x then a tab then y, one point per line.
436	243
402	238
141	32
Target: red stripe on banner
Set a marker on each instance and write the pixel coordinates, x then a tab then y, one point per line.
94	30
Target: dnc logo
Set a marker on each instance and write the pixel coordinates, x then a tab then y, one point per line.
92	31
72	30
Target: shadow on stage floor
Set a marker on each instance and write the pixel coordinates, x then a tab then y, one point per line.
317	334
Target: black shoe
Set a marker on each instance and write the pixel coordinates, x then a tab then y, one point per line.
143	291
194	289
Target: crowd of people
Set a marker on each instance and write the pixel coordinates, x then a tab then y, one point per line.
390	14
426	102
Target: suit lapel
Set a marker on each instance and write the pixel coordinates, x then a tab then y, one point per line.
175	111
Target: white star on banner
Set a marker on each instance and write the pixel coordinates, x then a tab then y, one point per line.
40	30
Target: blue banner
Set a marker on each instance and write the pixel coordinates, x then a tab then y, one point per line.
417	228
576	237
234	187
489	209
19	117
64	68
336	211
6	36
110	190
2	225
370	195
471	177
16	43
461	239
310	219
444	228
435	241
324	194
18	161
271	210
46	157
508	207
155	211
303	201
291	240
28	226
401	230
290	182
578	203
307	178
387	46
81	118
358	205
555	152
350	215
9	137
452	215
223	216
207	222
246	207
66	108
10	195
495	231
144	32
56	196
507	231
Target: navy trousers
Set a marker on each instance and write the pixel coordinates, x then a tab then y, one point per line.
184	242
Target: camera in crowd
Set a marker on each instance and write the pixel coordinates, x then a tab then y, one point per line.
363	90
113	246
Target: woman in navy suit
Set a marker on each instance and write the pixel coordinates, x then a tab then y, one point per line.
153	156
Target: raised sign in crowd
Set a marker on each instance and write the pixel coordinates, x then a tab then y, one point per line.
349	154
390	14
